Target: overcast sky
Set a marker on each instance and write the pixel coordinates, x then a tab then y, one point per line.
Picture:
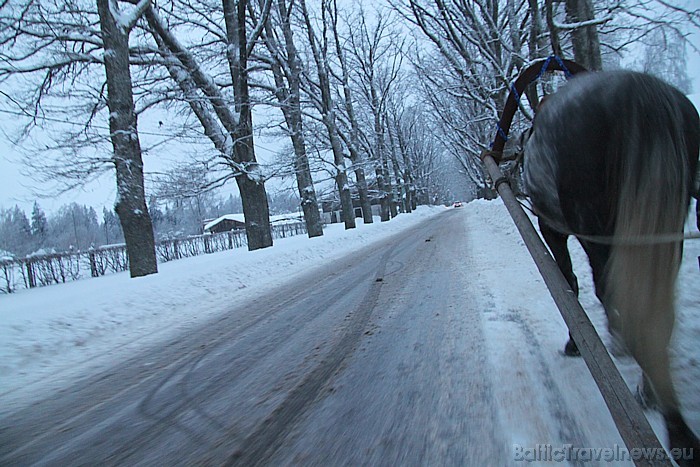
16	188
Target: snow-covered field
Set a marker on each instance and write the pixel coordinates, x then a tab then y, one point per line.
51	335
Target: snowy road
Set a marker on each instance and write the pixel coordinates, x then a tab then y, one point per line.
410	353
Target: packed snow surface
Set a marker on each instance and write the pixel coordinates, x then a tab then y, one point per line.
49	336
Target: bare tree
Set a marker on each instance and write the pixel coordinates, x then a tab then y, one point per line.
326	106
74	57
351	136
286	72
131	199
665	56
586	45
375	52
477	48
628	24
403	120
231	132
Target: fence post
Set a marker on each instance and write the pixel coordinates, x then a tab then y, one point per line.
7	273
93	264
30	274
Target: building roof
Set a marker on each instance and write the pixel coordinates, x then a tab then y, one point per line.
226	217
279	219
289	218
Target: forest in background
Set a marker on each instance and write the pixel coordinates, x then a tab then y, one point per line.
76	227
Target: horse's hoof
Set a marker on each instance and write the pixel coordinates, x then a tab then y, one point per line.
682	437
571	349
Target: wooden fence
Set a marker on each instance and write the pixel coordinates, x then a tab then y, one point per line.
40	270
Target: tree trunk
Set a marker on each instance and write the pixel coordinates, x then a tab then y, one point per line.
347	210
381	175
393	210
385	212
585	40
396	198
383	184
290	103
305	184
235	140
256	212
363	192
408	188
341	177
353	141
131	198
251	183
328	114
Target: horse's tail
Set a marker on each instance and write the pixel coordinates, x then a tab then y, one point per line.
653	200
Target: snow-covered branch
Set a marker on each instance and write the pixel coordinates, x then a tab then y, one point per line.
130	20
583	24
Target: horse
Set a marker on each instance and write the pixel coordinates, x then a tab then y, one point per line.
612	159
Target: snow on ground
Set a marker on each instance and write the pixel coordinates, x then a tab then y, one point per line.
525	333
50	335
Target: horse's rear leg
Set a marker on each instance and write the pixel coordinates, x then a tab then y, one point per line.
645	394
680	435
651	352
598	256
557	244
657	386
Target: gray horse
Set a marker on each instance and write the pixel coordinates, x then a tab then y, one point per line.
611	160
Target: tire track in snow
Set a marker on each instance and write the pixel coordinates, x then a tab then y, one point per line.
417	391
193	394
269	435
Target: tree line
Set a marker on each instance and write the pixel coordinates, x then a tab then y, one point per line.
373	98
72	227
76	227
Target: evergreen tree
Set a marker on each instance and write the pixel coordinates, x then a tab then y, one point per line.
15	232
111	229
39	227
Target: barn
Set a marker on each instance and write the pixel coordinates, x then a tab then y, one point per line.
225	223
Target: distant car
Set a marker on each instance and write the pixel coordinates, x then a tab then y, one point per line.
458	204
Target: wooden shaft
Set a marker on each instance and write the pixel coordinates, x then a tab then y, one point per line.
631	422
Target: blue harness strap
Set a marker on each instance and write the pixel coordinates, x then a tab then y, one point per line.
516	95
